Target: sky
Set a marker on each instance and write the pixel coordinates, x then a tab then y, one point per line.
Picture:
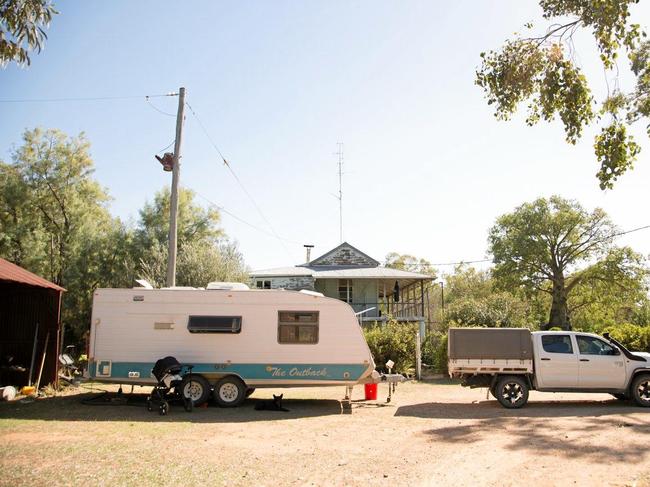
427	167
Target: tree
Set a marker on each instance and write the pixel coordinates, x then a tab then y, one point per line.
407	262
472	300
50	203
542	72
204	253
555	246
194	221
22	28
54	220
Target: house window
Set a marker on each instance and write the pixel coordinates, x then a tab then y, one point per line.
214	324
345	290
261	284
298	327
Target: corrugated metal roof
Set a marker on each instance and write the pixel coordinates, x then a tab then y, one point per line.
334	272
369	273
13	273
293	271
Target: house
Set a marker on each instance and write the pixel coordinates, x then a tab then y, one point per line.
375	292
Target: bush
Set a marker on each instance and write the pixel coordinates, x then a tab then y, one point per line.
392	341
434	351
633	337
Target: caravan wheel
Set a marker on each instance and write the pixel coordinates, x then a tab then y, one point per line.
229	392
197	389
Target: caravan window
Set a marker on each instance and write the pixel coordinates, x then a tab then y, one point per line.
298	327
214	324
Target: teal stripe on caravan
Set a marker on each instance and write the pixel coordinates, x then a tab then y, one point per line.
288	372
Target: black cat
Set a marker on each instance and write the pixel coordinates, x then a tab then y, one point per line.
274	405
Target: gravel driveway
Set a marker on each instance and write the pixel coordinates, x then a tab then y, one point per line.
431	434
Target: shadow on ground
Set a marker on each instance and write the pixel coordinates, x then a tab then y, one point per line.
132	407
543	426
534	409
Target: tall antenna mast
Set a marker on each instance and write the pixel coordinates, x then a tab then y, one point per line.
340	197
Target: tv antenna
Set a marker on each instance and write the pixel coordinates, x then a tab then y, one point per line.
340	196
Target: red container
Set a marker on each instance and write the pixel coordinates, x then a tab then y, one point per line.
371	392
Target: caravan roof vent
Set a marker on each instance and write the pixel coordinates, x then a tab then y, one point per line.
228	286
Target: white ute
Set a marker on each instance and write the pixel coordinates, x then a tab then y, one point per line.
513	361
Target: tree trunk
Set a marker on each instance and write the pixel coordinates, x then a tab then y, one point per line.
559	316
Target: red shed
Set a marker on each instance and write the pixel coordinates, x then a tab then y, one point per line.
30	312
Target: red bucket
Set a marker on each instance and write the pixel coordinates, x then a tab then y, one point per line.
371	392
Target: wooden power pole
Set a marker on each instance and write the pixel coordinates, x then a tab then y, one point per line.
173	207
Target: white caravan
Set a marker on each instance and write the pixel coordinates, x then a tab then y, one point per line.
236	339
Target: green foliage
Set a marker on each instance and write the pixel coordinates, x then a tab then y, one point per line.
194	221
473	299
54	222
204	254
498	310
407	262
542	72
556	247
615	151
633	337
392	341
22	28
434	351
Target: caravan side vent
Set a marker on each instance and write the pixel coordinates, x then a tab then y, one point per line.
163	326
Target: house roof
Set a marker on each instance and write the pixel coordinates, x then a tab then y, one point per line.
315	262
339	272
13	273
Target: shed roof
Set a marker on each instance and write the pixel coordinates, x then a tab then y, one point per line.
337	272
13	273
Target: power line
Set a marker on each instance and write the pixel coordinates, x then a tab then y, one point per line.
239	182
165	148
617	234
158	109
628	231
90	98
241	220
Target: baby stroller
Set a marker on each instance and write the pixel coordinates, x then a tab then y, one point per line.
167	372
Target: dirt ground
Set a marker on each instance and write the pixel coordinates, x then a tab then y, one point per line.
431	434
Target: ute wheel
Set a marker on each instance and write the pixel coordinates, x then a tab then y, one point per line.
641	390
512	392
229	392
250	391
621	397
197	389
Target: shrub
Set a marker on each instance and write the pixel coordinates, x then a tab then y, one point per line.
392	341
434	351
634	337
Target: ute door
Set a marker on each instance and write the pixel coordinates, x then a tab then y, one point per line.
600	364
558	362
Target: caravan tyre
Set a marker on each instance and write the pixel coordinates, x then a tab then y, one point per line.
229	392
196	388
